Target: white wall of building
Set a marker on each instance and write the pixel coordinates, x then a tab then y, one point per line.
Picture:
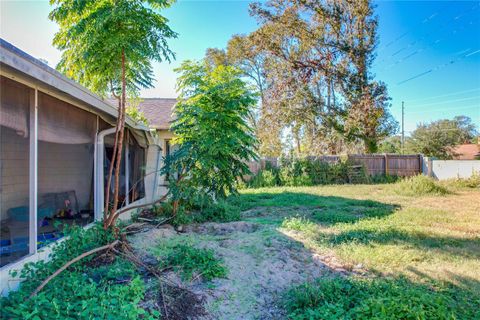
450	169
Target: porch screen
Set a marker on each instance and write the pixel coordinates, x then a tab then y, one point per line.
66	137
14	170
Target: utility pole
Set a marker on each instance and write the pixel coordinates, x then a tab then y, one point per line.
403	127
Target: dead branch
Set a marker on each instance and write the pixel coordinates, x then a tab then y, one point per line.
69	263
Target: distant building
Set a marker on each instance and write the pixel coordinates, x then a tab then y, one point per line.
469	151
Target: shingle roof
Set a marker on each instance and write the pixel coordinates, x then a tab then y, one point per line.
467	151
158	111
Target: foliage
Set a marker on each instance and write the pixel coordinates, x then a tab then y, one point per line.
134	113
460	183
352	298
221	211
103	31
190	261
437	139
315	60
108	46
213	137
419	185
391	145
81	292
308	171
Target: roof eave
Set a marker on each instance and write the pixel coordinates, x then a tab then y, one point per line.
23	63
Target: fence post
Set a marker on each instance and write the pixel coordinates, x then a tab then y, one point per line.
385	159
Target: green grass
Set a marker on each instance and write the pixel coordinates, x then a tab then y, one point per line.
419	186
355	298
429	238
190	261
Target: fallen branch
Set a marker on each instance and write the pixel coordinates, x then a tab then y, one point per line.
69	263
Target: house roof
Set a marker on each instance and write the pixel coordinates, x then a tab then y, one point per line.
20	66
467	151
158	111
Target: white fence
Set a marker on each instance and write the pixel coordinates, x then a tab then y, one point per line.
448	169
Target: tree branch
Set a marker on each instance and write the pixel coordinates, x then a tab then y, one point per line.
69	263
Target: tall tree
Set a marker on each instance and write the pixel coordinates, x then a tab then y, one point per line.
322	53
211	130
108	46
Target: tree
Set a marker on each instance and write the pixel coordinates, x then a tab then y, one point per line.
391	145
108	46
319	57
211	130
437	139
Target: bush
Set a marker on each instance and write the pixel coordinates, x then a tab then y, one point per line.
351	298
418	186
81	292
307	171
189	260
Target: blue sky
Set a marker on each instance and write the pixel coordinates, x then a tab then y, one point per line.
428	54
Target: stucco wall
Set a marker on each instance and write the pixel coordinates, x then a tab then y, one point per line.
449	169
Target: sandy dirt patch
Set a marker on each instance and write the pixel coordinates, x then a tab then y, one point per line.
262	264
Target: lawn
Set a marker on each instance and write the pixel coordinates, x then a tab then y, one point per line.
371	231
325	252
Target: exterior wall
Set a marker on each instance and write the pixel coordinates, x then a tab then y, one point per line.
449	169
154	164
163	136
14	165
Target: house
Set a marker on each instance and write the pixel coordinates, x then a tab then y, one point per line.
56	142
469	151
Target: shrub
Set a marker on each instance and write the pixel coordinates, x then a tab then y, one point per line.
188	260
351	298
307	171
81	292
418	186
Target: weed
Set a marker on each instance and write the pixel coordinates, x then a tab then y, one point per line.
418	186
465	183
351	298
189	260
81	292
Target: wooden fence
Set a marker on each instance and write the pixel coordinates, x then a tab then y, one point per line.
375	164
389	164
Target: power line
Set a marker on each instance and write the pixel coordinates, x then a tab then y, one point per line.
447	95
446	101
411	44
441	66
447	109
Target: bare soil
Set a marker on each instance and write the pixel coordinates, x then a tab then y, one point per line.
262	262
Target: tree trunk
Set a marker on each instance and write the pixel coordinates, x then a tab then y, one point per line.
111	217
112	163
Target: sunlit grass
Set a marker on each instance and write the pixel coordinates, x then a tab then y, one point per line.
422	237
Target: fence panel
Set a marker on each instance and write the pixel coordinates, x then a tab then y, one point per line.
403	165
375	164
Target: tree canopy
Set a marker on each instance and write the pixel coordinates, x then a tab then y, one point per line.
311	61
108	47
437	139
211	128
